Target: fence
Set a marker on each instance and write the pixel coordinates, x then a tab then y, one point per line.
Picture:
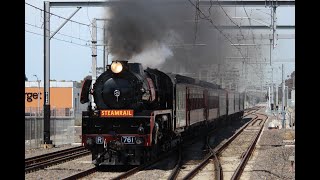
33	132
62	127
54	112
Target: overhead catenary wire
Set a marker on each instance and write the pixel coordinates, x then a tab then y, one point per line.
253	40
201	15
220	31
88	25
231	19
196	21
84	45
59	33
249	18
72	21
214	25
240	29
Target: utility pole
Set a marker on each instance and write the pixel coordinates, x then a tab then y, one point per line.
94	58
46	57
277	96
104	47
271	96
269	106
270	52
283	99
274	24
105	44
46	104
287	95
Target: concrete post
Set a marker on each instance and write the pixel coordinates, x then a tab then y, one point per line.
94	58
283	99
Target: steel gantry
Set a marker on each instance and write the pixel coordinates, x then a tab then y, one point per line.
172	2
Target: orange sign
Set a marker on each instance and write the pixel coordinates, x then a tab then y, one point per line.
60	97
116	113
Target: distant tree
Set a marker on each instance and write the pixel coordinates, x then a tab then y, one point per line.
25	77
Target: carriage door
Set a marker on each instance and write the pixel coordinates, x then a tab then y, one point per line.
181	105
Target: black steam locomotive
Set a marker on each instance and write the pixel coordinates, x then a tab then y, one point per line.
134	114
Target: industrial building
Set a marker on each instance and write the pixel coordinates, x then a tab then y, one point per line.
64	98
65	112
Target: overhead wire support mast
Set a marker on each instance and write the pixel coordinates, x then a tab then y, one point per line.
274	23
105	43
65	22
94	58
47	37
46	105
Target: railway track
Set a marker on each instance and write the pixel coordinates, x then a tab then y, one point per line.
132	171
49	159
126	174
214	155
251	110
174	173
82	174
144	166
235	153
176	169
193	172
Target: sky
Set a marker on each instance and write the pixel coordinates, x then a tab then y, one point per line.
70	53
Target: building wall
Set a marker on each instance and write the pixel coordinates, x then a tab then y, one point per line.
78	107
60	97
64	97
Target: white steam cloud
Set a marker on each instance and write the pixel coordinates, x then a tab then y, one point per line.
153	55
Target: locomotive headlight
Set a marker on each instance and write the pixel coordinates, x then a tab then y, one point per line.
116	67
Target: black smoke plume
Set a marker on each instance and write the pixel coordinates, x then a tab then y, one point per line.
165	33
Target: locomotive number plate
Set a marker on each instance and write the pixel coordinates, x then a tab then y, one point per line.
128	139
